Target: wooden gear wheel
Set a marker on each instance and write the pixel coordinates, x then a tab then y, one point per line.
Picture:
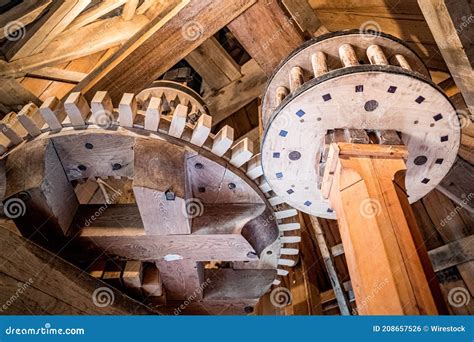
198	210
349	82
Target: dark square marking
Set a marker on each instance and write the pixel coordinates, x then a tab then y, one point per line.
419	99
307	203
330	210
290	191
444	138
279	175
392	89
276	154
300	113
326	97
437	117
283	133
439	161
359	88
425	180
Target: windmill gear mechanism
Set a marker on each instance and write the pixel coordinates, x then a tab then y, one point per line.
195	223
357	87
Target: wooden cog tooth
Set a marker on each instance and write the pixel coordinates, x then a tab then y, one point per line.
348	56
319	63
101	108
376	55
153	114
53	113
31	119
242	152
223	141
77	109
201	130
178	122
127	110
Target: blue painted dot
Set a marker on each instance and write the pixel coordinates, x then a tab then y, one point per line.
276	154
283	133
300	113
279	175
290	191
307	203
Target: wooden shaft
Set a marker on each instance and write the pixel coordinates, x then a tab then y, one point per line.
376	55
348	56
401	61
281	93
383	258
296	78
319	63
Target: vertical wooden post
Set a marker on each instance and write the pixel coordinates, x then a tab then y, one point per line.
384	261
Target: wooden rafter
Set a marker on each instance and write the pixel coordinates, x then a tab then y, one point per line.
142	60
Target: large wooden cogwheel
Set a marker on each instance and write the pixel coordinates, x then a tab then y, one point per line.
363	86
198	210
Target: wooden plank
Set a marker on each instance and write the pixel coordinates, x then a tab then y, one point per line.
266	34
231	98
160	187
58	17
304	16
13	95
20	16
214	64
152	285
84	41
141	60
58	280
452	32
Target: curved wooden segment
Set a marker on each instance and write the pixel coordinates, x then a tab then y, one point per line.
38	196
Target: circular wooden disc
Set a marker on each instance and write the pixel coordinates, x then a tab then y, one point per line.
329	44
404	101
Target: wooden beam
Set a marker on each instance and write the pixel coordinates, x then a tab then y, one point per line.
452	254
119	230
453	32
51	285
94	13
266	33
13	96
53	23
226	101
95	37
161	187
20	16
182	279
129	9
304	16
214	64
59	75
142	60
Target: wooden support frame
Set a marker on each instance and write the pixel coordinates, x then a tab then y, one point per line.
389	276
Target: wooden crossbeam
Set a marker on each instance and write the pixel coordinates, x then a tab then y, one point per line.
141	60
452	28
214	64
266	33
